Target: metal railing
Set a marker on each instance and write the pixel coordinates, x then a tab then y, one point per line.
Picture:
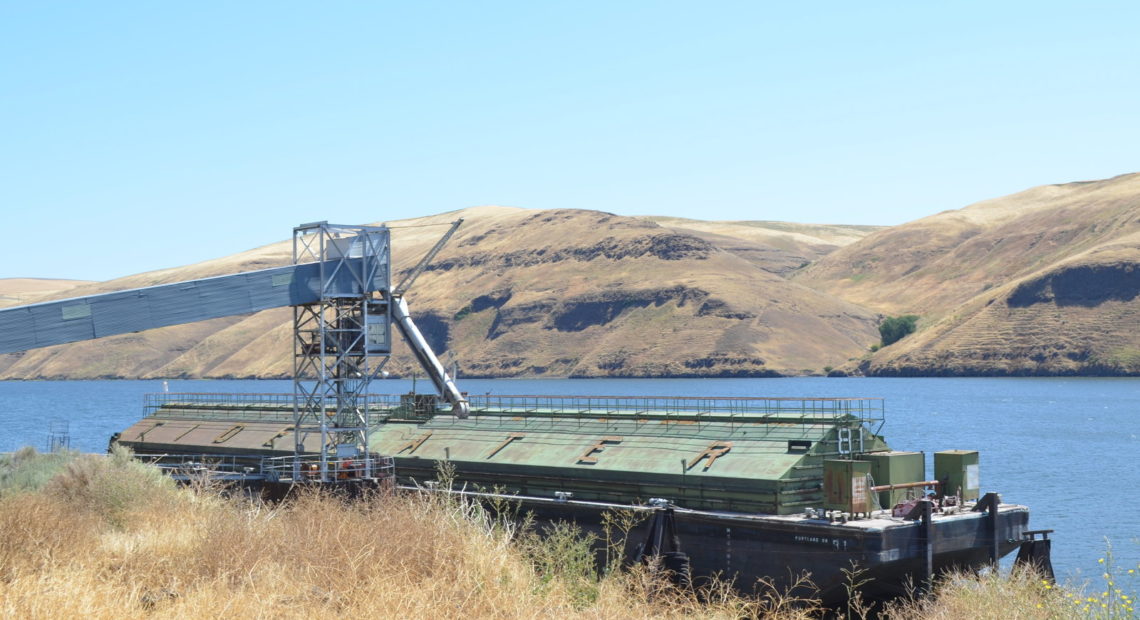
823	410
249	406
307	468
279	407
234	467
204	466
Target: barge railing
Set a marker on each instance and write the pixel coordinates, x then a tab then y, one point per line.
496	408
823	409
224	467
269	407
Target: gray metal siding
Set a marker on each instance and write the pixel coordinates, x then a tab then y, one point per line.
60	322
225	296
174	304
121	312
17	330
265	287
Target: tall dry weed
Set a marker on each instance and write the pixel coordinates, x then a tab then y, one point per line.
991	595
38	532
109	487
93	544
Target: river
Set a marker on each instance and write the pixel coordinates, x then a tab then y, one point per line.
1068	447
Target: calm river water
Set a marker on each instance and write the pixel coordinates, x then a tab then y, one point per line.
1068	448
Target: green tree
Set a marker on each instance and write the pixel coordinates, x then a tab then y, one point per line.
895	328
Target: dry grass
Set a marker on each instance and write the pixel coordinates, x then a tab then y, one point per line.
104	538
16	291
108	537
1025	594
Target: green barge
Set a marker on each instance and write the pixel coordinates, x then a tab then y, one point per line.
754	488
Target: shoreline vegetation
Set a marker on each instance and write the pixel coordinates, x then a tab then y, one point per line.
96	536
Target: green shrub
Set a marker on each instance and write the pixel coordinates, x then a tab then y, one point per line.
564	554
110	486
895	328
28	470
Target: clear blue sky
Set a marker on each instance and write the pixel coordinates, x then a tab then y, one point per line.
142	135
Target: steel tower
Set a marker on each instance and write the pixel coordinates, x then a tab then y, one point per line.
340	343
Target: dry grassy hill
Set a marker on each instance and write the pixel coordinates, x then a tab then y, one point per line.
584	293
20	291
778	247
526	293
1040	282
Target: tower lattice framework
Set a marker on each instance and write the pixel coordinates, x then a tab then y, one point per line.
340	343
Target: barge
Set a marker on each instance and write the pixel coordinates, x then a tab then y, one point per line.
752	488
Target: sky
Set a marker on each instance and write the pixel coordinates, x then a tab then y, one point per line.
144	135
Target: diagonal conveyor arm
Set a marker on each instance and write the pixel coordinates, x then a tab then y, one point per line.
427	358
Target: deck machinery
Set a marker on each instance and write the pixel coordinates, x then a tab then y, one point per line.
747	488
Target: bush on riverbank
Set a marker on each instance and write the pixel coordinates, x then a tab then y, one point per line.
895	328
107	536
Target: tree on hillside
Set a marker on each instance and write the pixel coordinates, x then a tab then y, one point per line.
895	328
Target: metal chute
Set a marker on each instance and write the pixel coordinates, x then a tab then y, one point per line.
427	358
420	347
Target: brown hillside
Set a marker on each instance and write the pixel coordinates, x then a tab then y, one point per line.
524	293
19	291
932	265
1043	282
778	247
1076	318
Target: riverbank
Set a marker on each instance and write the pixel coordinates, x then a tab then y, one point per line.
93	536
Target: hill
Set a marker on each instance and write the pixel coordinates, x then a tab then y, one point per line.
525	293
19	291
1042	282
778	247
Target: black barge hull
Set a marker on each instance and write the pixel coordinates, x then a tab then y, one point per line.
754	550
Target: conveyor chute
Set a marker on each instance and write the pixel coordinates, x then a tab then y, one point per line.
122	312
428	359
